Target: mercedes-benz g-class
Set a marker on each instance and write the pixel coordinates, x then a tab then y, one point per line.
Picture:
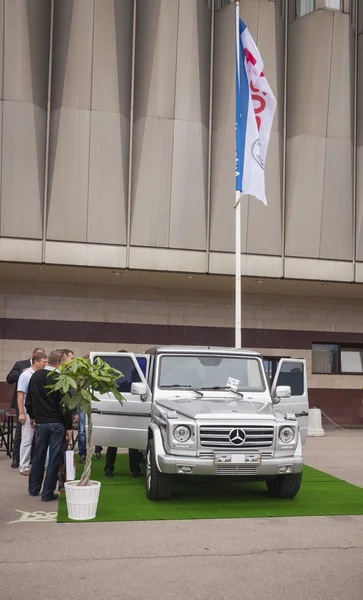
207	411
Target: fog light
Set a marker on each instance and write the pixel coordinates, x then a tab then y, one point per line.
185	469
283	469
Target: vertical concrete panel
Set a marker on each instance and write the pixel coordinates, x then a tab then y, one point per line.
319	195
308	95
189	186
111	76
22	170
69	163
151	176
2	23
110	122
156	50
25	82
305	184
309	73
193	62
223	145
170	146
188	220
359	212
337	216
72	53
337	223
70	120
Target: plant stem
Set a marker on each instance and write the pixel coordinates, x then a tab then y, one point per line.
85	478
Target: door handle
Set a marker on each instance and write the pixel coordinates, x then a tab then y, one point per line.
302	414
95	411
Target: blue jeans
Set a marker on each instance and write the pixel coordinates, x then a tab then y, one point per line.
52	435
82	444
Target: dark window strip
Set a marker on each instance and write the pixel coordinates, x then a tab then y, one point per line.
137	333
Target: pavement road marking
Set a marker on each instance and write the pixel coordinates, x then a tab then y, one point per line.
38	516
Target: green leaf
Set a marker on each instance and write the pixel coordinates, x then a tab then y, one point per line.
86	395
72	383
119	396
73	401
84	405
66	399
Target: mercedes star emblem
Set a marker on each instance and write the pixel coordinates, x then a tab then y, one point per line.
237	437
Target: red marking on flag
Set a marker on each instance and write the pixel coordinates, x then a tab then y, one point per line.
249	56
261	102
256	89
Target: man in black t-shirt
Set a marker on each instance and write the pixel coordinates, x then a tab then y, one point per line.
13	376
51	426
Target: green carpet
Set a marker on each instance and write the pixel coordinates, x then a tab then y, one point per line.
123	498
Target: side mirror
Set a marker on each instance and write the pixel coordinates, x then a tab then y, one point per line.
283	392
138	389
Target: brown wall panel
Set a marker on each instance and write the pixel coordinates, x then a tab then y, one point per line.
136	333
344	407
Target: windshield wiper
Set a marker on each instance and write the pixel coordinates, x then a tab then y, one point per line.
223	389
182	387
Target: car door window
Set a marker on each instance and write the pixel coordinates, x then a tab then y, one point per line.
142	362
127	368
292	374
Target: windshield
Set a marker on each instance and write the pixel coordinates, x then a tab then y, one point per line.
211	372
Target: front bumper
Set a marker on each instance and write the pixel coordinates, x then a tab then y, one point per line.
201	466
194	465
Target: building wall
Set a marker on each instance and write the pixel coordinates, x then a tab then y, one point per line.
117	126
117	137
87	319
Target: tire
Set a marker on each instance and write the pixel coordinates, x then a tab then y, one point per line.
159	486
284	486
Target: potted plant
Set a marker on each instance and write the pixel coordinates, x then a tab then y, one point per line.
78	381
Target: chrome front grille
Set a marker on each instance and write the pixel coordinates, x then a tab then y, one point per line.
217	436
228	469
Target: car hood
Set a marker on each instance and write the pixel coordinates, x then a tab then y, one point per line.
218	408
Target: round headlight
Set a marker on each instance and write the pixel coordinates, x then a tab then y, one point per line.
287	434
182	433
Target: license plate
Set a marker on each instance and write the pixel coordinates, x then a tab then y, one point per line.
237	459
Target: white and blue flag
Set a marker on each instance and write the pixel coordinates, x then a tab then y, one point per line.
255	108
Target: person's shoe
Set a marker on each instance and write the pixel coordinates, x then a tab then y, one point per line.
34	494
61	489
82	459
108	472
51	497
97	455
136	473
26	472
15	464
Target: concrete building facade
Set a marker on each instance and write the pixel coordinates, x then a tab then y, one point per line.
117	122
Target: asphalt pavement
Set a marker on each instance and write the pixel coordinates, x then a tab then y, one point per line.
317	558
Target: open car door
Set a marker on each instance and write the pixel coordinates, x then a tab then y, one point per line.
126	425
292	372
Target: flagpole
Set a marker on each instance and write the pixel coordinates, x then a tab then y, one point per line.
238	302
238	296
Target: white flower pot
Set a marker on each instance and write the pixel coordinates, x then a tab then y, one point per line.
82	500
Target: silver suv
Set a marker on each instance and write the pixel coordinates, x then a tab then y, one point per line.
208	411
